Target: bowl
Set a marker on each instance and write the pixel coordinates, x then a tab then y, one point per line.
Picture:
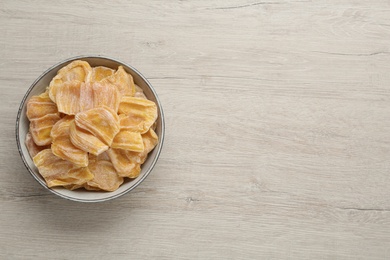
81	195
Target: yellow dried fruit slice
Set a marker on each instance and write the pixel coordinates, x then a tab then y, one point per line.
150	140
99	94
122	162
39	106
61	127
130	123
135	172
125	162
90	188
64	148
85	186
106	94
85	140
128	140
68	97
75	71
123	81
77	176
58	172
136	157
102	122
138	107
99	73
40	128
32	148
140	114
86	97
62	145
50	165
105	176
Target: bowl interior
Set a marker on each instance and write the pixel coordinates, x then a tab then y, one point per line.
22	126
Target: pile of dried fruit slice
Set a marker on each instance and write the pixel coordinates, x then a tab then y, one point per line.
92	128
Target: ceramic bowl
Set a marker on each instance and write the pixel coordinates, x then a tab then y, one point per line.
81	195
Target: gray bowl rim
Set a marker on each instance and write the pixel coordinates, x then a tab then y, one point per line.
161	137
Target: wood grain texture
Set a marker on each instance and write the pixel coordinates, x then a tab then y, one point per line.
277	130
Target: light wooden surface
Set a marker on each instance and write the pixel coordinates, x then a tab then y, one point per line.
277	130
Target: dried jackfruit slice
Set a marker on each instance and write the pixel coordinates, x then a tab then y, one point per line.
85	140
39	106
64	148
85	186
62	145
124	163
99	94
128	140
123	81
40	128
74	186
58	172
77	176
105	176
135	172
68	97
106	94
99	73
91	188
141	114
86	97
138	107
50	165
75	71
102	122
61	127
131	123
150	140
32	148
135	157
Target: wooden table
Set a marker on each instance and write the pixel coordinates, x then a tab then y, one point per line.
277	130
